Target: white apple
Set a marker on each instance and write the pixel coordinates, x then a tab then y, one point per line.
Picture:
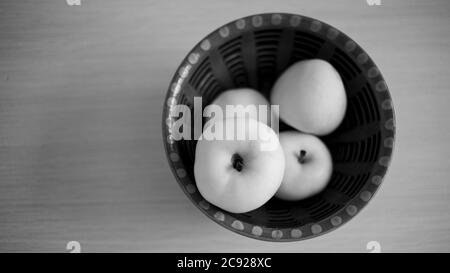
242	97
308	166
239	175
311	97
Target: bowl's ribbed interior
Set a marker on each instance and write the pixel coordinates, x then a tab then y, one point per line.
254	56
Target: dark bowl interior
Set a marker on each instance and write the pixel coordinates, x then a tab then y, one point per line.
252	52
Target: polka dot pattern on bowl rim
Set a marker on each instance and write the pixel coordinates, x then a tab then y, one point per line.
332	33
169	122
306	24
219	216
171	101
350	46
204	204
362	58
257	20
257	231
193	57
224	32
175	87
237	225
381	86
296	233
384	161
336	221
377	180
277	234
316	229
276	19
184	71
174	157
295	20
389	124
170	140
351	210
205	45
191	188
389	142
387	104
181	173
373	72
240	24
365	196
316	26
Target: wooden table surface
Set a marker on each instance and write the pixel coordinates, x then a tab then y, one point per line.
81	152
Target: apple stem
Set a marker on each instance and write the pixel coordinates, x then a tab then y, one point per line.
302	156
237	162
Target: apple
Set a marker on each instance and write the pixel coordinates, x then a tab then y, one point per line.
308	166
242	98
311	97
242	173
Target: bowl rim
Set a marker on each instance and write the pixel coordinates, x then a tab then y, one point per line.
374	78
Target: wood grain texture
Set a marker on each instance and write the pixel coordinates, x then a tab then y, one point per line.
81	154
